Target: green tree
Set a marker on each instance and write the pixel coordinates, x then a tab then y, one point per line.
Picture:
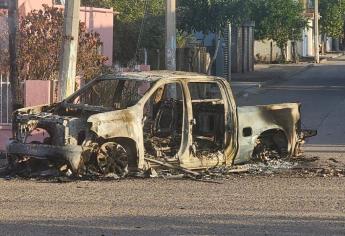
140	24
97	3
332	17
278	20
211	16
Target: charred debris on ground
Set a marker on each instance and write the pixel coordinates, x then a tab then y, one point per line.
292	167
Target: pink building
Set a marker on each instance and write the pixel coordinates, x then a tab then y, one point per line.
99	20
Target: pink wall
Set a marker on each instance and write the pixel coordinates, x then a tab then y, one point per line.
38	92
5	134
25	6
100	20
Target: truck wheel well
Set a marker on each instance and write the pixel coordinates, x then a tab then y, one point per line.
273	139
131	148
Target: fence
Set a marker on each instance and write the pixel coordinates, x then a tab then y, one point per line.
195	59
5	100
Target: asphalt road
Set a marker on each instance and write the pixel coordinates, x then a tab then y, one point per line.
321	90
239	206
242	205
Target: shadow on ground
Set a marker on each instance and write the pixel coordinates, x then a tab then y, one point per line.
203	225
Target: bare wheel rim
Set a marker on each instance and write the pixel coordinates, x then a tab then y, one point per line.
113	158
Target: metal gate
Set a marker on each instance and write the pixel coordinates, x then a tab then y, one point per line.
5	100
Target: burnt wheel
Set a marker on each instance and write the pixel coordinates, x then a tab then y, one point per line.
113	158
264	152
267	150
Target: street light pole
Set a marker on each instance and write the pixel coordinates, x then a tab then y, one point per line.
170	40
316	32
68	62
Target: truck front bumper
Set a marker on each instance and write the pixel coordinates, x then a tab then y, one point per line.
71	153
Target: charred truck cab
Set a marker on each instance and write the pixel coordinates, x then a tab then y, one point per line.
117	123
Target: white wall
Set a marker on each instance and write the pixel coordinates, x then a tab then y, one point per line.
262	51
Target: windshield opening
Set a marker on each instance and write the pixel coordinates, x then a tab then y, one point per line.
112	93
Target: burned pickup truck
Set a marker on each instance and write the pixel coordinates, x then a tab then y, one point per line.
120	123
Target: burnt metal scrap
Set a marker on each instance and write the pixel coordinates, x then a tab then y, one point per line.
127	124
302	167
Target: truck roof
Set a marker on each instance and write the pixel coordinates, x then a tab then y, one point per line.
163	74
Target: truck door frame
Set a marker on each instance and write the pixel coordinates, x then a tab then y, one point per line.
230	117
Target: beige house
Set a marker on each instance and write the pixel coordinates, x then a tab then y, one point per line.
267	51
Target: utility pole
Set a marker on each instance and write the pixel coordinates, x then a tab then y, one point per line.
316	32
12	47
170	40
68	62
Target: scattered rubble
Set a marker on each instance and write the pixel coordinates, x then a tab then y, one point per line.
293	167
174	167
